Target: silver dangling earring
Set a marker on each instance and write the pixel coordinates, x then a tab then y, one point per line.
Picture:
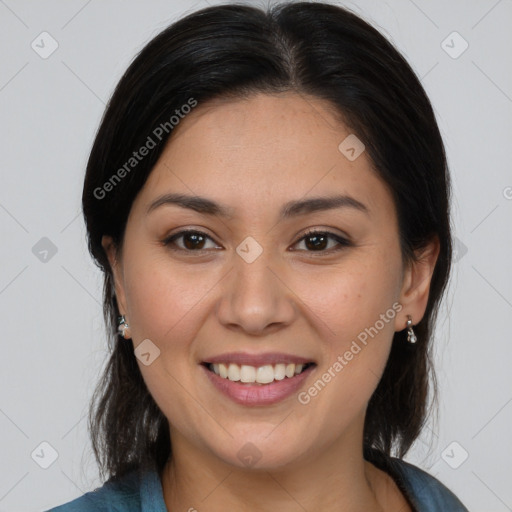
123	327
411	337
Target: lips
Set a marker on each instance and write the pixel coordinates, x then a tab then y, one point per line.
257	379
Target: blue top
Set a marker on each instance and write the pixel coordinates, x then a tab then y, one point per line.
142	492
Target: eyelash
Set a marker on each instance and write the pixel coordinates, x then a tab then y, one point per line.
342	242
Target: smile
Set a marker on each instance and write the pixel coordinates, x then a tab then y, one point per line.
257	380
265	374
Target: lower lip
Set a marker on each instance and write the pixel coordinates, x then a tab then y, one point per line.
258	394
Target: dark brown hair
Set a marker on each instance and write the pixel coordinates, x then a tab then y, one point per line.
232	50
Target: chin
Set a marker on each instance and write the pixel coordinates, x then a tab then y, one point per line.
260	453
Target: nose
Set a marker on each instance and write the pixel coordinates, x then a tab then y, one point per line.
255	298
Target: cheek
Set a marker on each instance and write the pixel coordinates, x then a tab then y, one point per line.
359	308
165	305
163	298
352	297
358	303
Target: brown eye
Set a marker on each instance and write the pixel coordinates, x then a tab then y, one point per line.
318	241
193	241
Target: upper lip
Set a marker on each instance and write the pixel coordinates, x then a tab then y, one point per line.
257	360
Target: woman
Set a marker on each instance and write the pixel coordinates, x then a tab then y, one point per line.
268	199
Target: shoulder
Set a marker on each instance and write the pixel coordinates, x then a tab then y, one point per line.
425	491
115	495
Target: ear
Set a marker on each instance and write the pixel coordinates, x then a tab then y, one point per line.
416	284
113	257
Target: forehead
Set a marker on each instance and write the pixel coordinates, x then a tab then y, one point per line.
265	149
262	126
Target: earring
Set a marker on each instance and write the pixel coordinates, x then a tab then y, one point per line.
123	327
411	337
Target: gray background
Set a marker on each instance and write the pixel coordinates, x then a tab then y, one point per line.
53	343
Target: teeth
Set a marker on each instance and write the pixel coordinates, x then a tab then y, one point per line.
265	374
234	372
223	370
279	371
261	375
247	373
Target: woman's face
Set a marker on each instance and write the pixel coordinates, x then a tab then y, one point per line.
250	288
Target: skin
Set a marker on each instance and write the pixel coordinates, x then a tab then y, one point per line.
254	155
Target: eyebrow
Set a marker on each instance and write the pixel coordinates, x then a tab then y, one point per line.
291	209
